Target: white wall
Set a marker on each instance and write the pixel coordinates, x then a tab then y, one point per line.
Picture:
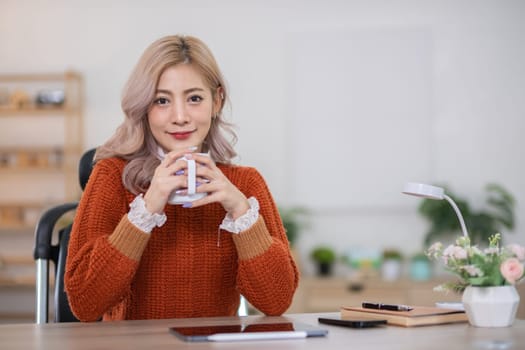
380	92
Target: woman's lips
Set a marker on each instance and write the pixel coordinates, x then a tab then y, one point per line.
182	135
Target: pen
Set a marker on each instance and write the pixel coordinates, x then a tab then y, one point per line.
391	307
223	337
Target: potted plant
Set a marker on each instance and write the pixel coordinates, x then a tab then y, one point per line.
420	267
325	257
481	224
391	264
486	277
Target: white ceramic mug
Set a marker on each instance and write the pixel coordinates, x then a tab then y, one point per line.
191	195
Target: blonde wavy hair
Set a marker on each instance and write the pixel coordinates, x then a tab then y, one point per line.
133	140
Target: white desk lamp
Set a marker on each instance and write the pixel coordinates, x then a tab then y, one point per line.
433	192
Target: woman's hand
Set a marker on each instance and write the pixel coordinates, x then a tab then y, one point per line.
168	177
218	187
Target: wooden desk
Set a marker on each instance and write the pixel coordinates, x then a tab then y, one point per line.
153	334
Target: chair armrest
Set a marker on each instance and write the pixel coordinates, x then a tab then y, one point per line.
44	230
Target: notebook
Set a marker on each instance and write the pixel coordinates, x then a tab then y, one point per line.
418	316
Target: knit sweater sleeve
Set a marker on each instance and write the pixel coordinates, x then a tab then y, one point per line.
267	274
104	247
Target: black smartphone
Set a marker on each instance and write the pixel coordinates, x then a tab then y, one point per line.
352	323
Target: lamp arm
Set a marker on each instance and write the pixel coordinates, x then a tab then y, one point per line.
458	213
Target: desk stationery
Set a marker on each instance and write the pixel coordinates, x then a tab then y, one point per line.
154	334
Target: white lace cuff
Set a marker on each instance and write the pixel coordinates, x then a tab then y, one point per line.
139	216
243	222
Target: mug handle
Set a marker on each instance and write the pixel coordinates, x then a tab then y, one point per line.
191	176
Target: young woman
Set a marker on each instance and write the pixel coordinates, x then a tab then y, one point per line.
132	254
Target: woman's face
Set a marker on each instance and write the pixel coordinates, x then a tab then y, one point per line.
181	112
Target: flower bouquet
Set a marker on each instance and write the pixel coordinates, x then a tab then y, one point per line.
486	278
489	267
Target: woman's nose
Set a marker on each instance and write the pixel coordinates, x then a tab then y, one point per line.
179	115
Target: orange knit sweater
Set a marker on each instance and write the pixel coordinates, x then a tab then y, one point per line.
116	271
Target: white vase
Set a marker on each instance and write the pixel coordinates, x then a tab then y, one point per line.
491	306
391	269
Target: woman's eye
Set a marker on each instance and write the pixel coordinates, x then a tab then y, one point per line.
161	101
195	99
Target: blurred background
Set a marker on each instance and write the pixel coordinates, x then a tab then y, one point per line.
338	103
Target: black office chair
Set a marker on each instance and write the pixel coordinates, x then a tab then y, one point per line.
45	251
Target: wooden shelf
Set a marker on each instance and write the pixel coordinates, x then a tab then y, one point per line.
16	227
40	169
17	270
24	159
33	159
23	216
17	259
8	112
40	77
39	157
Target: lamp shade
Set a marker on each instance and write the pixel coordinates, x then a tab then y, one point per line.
423	190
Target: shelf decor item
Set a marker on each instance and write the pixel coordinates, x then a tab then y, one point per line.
391	264
324	257
486	278
50	98
420	268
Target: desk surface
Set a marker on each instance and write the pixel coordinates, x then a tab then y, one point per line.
153	334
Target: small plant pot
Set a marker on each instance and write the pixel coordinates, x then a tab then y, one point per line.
324	269
420	270
491	306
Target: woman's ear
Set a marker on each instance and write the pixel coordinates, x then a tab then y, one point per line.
219	99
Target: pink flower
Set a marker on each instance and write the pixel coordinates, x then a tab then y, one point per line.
460	253
512	270
456	252
435	249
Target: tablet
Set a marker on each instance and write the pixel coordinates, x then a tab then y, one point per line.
244	332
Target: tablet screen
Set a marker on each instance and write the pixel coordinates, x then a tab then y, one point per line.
203	333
